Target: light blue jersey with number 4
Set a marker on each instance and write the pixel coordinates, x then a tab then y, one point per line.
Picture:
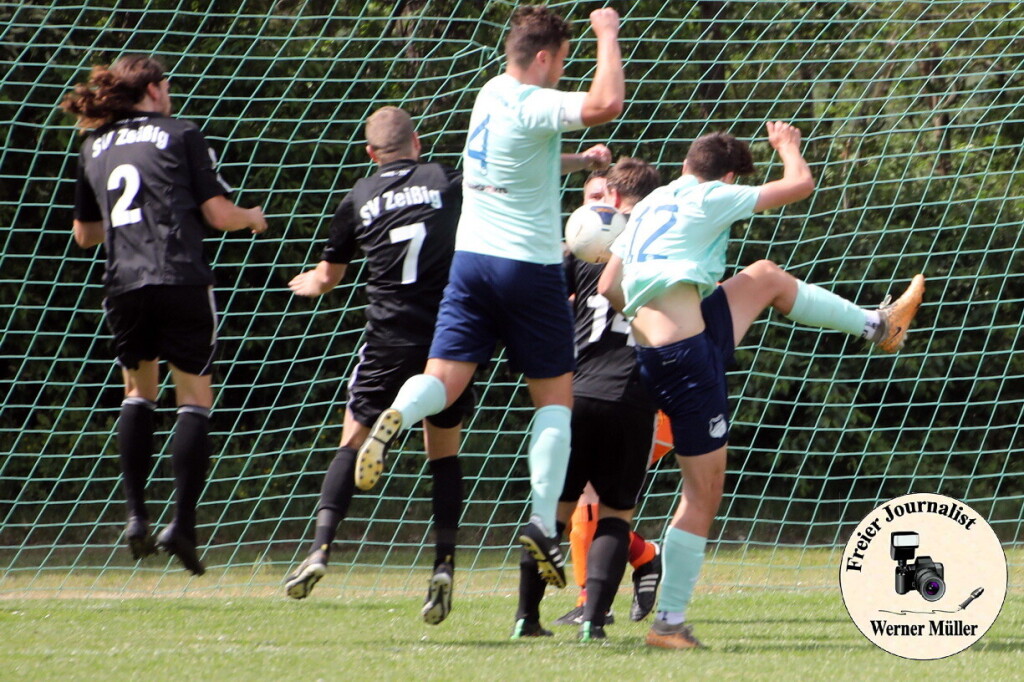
679	233
512	171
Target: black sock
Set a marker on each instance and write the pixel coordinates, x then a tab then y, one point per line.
190	459
447	473
531	589
135	447
531	585
335	497
606	562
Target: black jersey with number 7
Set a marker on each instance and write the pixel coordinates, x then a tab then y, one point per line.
404	218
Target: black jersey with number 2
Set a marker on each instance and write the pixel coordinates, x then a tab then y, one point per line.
145	177
404	217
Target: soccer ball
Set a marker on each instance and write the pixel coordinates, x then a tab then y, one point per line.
590	231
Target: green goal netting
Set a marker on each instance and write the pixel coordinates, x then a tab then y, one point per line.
914	125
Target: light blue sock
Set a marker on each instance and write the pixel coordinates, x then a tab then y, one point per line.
420	396
682	556
817	307
548	458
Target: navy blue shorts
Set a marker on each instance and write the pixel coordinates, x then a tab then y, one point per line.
524	305
687	380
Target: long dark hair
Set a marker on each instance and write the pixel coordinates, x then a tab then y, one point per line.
112	92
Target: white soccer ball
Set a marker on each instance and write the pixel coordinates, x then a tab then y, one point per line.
590	231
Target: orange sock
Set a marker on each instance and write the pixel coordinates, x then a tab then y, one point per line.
584	525
640	551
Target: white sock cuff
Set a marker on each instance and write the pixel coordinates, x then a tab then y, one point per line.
141	402
195	409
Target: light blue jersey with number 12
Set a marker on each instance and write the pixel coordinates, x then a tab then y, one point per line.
679	233
512	171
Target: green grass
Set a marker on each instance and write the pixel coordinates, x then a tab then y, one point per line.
753	634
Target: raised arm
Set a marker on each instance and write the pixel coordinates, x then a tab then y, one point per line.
797	183
607	94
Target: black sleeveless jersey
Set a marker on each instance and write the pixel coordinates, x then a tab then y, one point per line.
605	365
404	218
145	178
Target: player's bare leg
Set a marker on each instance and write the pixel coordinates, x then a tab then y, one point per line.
765	285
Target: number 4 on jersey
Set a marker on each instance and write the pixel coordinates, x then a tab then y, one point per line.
476	145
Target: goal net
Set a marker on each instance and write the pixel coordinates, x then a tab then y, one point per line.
913	124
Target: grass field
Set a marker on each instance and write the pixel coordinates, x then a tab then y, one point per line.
254	633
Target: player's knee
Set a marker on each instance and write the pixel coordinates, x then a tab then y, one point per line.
772	281
766	271
705	493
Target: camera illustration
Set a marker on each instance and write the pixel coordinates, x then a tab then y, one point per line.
924	575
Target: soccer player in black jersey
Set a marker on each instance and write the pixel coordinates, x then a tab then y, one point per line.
146	185
613	422
404	218
604	361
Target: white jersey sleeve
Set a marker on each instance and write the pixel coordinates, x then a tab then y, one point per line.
553	110
512	171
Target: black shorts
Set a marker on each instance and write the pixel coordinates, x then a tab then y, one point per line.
611	447
379	374
173	323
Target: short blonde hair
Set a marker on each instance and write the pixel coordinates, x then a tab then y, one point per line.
390	132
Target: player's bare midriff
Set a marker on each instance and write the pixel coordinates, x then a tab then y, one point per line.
672	316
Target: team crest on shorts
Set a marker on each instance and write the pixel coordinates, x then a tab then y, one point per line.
718	426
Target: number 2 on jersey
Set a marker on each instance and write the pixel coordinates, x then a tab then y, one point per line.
414	234
122	213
